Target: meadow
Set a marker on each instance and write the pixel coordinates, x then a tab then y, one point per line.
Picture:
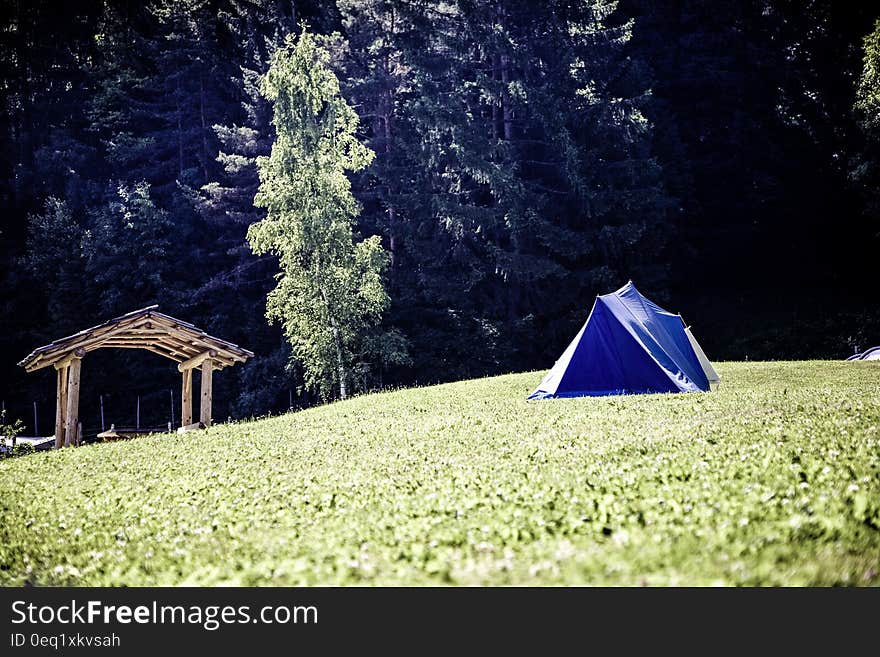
772	480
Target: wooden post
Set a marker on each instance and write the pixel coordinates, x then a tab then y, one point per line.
72	401
60	407
207	371
186	407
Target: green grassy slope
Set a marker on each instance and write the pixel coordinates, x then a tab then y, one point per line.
775	479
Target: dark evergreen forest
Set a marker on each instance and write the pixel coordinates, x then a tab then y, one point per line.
528	155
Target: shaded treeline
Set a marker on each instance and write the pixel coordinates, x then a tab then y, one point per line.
528	155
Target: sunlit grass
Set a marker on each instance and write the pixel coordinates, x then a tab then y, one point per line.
774	479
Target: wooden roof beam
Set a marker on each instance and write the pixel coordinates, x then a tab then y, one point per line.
145	328
88	342
64	362
179	328
200	341
196	361
228	357
175	350
156	349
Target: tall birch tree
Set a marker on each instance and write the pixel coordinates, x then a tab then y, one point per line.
330	291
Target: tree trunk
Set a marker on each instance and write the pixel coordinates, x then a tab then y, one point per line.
337	342
504	65
340	363
387	115
392	237
496	107
179	132
507	111
392	215
205	155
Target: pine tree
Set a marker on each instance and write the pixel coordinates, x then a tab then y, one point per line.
499	177
330	290
55	258
129	250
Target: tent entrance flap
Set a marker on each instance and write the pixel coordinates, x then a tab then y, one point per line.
711	374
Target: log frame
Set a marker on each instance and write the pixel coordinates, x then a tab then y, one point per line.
148	329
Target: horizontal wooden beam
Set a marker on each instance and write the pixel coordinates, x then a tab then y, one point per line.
64	362
115	342
195	361
149	346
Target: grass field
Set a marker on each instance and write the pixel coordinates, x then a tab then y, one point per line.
774	479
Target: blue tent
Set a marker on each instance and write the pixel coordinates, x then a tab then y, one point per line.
629	345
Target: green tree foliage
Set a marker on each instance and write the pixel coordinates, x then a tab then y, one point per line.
9	432
54	255
758	81
868	97
129	251
866	172
513	159
226	205
330	288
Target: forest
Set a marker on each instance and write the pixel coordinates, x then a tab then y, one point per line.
485	168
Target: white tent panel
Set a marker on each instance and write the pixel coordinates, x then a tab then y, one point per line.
711	374
870	354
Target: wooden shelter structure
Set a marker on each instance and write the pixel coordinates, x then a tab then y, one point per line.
146	329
